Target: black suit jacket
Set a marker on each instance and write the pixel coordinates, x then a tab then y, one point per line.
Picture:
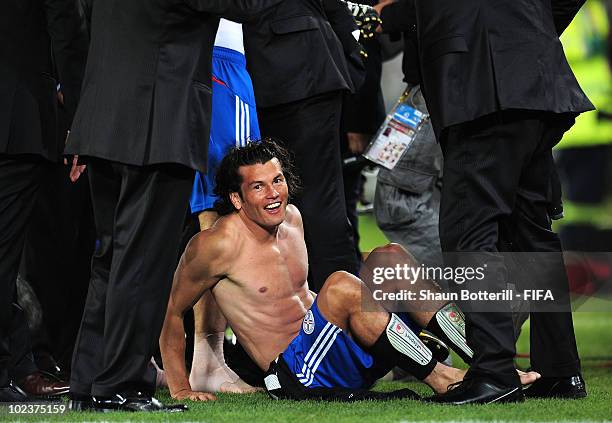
480	56
299	49
39	41
364	110
146	95
399	21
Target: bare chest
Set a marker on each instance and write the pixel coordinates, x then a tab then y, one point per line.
272	271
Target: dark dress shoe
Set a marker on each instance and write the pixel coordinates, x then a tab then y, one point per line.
79	402
107	404
478	391
134	401
12	393
38	386
572	387
141	402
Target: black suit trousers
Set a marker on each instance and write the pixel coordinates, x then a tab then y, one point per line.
310	129
19	182
496	192
22	359
57	258
139	214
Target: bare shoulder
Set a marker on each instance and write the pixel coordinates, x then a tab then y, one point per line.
211	250
293	218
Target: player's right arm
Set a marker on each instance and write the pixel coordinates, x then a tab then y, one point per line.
202	265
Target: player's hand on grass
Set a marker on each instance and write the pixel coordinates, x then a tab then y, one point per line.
188	394
238	387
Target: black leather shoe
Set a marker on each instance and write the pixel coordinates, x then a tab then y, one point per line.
134	401
107	404
572	387
478	391
78	402
141	402
12	393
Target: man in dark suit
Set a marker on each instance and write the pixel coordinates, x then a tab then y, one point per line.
501	94
362	114
37	37
143	124
297	57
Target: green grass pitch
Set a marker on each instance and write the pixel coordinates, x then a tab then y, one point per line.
593	331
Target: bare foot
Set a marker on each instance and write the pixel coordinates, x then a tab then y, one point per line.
209	372
528	378
187	394
442	376
239	387
206	380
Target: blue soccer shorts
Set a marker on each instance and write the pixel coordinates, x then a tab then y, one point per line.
324	356
324	363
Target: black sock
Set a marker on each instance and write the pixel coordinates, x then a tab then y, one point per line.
448	324
398	345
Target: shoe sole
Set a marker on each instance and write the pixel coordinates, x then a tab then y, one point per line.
521	398
575	396
499	400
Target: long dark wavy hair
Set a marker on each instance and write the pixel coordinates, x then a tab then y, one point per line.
228	178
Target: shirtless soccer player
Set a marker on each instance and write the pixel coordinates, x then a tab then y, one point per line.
252	266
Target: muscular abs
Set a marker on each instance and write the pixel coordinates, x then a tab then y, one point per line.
266	296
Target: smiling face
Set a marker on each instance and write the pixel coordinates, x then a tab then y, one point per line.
264	194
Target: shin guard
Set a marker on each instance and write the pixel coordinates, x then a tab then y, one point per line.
399	345
448	324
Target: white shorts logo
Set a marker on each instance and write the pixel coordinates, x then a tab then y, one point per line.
308	325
